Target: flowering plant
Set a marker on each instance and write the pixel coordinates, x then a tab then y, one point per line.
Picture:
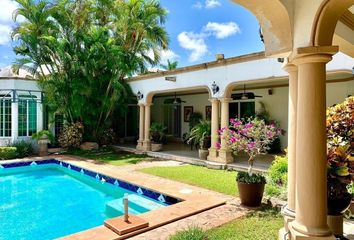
252	136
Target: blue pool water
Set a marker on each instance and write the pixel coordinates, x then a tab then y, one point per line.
49	201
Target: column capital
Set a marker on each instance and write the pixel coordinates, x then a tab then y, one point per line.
148	104
141	104
313	54
213	100
289	67
225	100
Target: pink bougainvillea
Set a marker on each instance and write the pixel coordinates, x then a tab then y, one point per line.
252	136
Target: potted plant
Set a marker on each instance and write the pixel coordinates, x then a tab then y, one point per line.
43	138
251	136
340	155
157	132
338	178
200	135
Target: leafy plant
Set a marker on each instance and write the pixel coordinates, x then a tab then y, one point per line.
71	135
7	153
191	233
106	136
340	142
246	178
251	136
23	148
199	134
170	65
157	131
38	135
194	119
82	51
277	177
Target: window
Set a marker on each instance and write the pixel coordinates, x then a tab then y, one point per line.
242	109
5	117
27	117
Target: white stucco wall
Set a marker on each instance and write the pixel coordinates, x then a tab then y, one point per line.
276	104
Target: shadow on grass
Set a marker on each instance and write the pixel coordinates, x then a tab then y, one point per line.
108	155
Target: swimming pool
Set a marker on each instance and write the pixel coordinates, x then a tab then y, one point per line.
50	198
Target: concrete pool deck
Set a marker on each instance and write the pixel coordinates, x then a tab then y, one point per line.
195	199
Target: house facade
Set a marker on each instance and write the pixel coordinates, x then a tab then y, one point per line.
21	108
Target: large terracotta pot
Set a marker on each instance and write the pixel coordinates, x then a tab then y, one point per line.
336	206
251	194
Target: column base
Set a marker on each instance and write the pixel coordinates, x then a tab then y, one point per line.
283	234
289	216
139	146
225	156
309	233
213	154
146	146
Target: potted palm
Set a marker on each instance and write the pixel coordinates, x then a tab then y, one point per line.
253	137
200	135
157	132
43	138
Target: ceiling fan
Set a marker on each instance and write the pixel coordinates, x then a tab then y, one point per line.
248	95
174	101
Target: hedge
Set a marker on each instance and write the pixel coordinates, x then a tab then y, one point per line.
7	153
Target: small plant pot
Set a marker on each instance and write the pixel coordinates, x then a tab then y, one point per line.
203	154
156	147
43	146
251	194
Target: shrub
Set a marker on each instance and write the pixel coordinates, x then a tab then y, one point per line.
24	148
40	134
247	178
7	153
71	135
191	233
277	178
106	136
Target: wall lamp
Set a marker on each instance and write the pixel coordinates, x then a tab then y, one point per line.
214	88
139	96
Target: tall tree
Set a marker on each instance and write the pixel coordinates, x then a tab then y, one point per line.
82	50
170	65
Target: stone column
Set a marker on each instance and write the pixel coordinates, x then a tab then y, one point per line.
289	209
213	152
147	142
224	152
311	173
141	126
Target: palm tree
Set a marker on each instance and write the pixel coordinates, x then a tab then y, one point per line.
170	65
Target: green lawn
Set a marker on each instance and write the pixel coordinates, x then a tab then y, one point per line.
260	225
263	224
107	155
216	180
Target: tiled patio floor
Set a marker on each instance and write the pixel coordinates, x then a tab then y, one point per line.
183	153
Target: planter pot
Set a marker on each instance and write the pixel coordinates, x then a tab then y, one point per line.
43	146
336	206
203	154
251	194
156	147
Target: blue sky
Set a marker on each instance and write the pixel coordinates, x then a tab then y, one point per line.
198	30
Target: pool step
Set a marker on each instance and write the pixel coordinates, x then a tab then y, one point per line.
115	208
137	204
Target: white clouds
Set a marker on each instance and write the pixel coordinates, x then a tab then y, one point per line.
212	3
222	30
5	32
195	43
197	5
168	55
208	4
6	10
